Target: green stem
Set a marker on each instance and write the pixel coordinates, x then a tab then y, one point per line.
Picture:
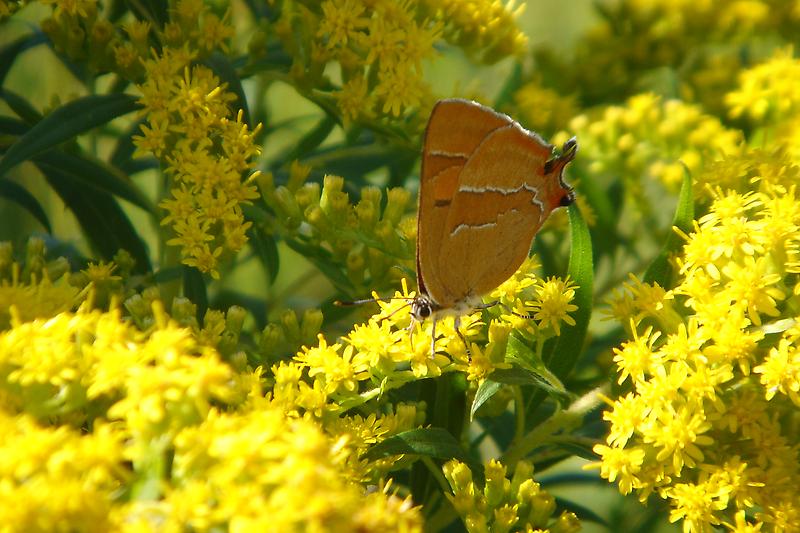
564	420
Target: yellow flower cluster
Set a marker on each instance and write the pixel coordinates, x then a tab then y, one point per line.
55	478
39	289
206	153
768	92
172	437
713	367
769	98
518	504
700	42
483	28
544	110
80	30
650	137
384	354
380	47
204	145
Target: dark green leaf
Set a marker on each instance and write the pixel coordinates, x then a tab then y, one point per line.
20	195
97	175
660	270
607	213
582	512
12	127
266	249
11	51
568	346
169	274
430	442
194	288
352	160
324	262
103	221
122	155
309	142
21	107
63	124
511	86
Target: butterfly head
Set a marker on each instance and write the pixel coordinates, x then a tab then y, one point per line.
557	164
422	307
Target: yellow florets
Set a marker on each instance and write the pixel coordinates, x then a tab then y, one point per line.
699	428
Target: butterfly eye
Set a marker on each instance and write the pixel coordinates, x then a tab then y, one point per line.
421	309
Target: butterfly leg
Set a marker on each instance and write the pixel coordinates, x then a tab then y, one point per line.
457	327
433	338
410	330
505	307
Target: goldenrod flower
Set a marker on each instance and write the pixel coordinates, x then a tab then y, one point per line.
701	426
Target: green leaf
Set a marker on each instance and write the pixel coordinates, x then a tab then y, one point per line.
20	195
323	260
11	51
266	249
194	288
529	369
21	107
101	218
309	142
63	124
97	175
485	391
430	442
583	513
660	270
511	85
563	355
355	161
12	127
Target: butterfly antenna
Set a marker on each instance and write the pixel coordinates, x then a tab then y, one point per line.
408	301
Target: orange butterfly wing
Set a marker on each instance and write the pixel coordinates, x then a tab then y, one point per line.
479	214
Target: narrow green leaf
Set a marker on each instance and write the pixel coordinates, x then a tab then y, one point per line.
430	442
582	512
606	204
568	346
485	391
63	124
11	51
11	127
21	107
523	376
323	261
122	155
103	221
352	160
266	249
97	175
20	195
660	270
510	86
309	142
194	288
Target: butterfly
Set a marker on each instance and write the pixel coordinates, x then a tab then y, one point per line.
486	187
